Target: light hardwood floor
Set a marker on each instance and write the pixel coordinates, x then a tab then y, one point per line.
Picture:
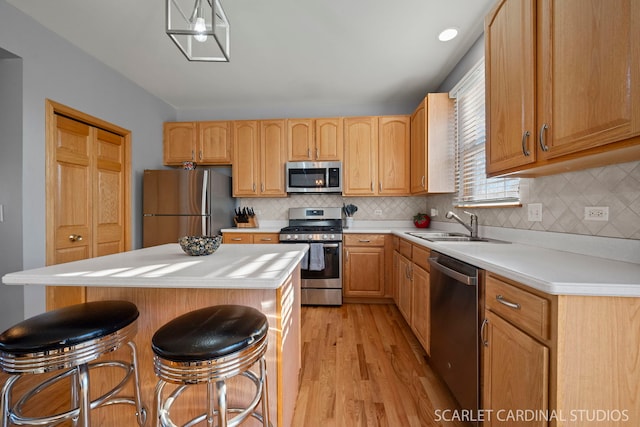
362	366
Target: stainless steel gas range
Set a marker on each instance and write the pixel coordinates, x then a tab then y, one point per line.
321	271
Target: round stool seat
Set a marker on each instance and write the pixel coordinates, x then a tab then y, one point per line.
69	340
67	327
209	333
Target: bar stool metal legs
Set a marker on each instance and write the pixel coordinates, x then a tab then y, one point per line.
69	340
209	347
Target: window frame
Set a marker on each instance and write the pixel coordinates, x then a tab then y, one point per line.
472	187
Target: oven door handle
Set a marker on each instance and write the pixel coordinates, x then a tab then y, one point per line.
330	245
460	277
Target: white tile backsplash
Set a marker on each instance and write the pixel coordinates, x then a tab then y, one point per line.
563	198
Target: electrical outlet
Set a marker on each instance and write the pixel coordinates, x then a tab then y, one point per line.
534	212
377	212
596	213
434	212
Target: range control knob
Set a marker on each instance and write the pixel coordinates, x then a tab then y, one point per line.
295	237
325	236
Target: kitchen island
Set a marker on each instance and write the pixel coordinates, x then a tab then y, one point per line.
165	283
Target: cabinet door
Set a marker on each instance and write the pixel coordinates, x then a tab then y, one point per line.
328	139
420	309
404	288
432	159
510	85
516	372
360	156
300	140
363	272
418	151
272	157
589	73
214	142
246	153
393	155
179	143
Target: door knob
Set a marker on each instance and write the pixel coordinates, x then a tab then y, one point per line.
75	237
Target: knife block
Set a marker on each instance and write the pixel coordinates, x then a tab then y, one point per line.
253	222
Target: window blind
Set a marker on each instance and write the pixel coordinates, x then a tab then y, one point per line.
472	185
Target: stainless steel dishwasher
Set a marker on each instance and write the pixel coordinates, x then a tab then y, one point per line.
454	327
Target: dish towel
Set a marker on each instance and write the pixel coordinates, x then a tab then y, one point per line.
304	263
316	257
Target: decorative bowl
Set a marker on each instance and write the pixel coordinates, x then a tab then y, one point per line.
200	245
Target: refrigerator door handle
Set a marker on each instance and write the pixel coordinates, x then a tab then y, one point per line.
203	208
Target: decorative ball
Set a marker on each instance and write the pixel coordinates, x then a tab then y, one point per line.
200	245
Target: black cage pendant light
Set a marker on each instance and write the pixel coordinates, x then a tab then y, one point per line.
199	28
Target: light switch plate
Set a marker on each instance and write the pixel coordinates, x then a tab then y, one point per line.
534	212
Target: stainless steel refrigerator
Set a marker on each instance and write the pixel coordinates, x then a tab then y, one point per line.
180	203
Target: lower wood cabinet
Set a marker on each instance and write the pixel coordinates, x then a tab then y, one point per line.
250	237
411	277
516	372
516	364
363	265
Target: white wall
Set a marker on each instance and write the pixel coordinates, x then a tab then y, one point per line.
53	68
11	297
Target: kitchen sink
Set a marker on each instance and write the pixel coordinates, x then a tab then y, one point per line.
443	236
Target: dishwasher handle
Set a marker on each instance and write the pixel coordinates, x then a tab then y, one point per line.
459	276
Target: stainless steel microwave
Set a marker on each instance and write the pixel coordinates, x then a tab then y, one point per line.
314	177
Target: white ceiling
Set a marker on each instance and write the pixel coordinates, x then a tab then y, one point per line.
283	52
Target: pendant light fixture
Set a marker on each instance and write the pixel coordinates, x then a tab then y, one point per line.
199	28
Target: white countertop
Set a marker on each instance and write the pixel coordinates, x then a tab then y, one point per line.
264	266
548	270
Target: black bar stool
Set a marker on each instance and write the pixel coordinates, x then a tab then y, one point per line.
69	339
212	345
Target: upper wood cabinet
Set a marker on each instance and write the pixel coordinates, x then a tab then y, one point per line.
360	156
314	139
376	156
259	153
562	85
206	143
272	157
432	158
393	155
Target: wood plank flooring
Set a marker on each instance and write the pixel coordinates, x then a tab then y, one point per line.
362	366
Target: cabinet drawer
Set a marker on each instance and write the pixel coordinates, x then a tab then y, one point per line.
420	256
524	309
405	248
266	238
237	238
364	239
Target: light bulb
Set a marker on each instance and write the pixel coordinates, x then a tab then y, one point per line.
200	27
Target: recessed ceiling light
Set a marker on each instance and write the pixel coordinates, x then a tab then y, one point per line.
448	34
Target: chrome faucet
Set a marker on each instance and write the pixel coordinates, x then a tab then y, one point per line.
473	228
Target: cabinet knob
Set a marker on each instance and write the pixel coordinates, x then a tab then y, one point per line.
75	237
